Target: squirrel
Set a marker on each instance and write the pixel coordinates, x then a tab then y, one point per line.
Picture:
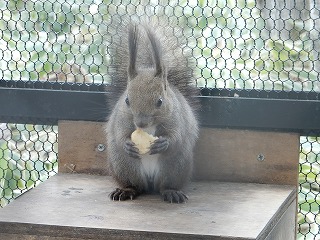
153	90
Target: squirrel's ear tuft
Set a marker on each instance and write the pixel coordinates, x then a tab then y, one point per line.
133	45
156	52
164	77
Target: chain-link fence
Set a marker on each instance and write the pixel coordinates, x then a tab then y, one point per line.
249	48
28	156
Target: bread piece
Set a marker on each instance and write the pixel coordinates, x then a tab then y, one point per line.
142	140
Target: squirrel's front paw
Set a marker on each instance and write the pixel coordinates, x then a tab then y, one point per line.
130	148
159	145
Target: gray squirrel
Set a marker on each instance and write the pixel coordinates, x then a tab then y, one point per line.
152	80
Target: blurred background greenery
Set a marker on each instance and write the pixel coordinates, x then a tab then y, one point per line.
243	44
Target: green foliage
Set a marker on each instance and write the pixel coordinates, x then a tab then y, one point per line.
63	41
42	39
28	156
309	188
235	50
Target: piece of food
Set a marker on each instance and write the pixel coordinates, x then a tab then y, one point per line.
142	140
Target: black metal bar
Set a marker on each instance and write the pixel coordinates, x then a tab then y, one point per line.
52	85
219	92
256	93
43	106
255	113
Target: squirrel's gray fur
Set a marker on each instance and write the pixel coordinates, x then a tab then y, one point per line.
152	81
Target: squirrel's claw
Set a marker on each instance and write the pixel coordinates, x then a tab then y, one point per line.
159	145
131	150
123	194
173	196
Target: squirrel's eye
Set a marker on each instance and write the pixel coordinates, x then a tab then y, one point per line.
127	101
159	102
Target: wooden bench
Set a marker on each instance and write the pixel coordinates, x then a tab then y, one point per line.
244	187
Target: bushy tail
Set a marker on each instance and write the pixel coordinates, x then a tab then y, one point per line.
151	34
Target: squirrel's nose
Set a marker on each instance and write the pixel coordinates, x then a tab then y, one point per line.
141	124
142	120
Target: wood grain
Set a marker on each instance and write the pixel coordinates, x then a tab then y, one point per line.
77	206
285	228
247	156
221	154
79	145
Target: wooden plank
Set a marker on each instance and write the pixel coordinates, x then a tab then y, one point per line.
77	206
221	154
5	236
285	228
247	156
82	147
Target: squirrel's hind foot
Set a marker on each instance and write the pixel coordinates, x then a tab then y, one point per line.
174	196
123	194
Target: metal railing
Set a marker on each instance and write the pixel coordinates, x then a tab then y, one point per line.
258	59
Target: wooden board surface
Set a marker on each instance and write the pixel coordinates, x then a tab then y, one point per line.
286	228
77	206
247	156
80	147
221	154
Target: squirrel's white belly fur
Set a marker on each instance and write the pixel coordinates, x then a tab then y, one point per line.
149	163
